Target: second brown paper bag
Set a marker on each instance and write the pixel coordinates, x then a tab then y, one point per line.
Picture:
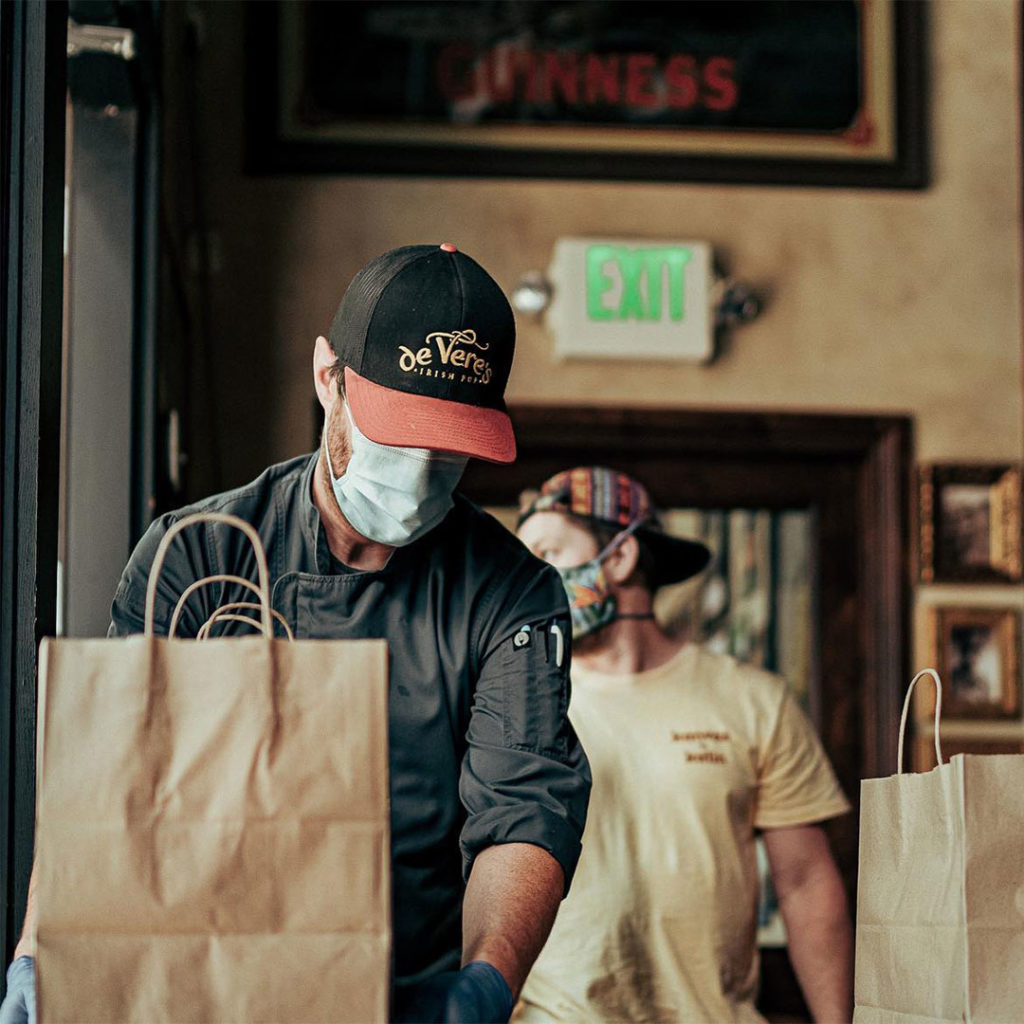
940	903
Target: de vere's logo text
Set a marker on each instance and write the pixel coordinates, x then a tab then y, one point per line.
649	280
453	355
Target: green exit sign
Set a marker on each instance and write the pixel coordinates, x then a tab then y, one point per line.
622	298
651	282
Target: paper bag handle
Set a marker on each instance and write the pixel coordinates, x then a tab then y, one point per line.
217	616
193	587
225	612
906	710
263	590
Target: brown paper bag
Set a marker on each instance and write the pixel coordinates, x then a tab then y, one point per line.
940	901
213	833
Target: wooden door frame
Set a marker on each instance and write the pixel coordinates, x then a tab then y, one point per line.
853	473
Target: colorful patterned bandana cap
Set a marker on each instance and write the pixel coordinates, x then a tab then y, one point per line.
594	492
614	498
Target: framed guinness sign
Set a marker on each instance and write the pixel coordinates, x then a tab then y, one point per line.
817	92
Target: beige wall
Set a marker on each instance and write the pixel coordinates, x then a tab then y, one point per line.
907	302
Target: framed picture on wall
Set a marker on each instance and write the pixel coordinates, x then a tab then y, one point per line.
976	652
824	92
970	523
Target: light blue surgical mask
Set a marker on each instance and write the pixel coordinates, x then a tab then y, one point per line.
394	495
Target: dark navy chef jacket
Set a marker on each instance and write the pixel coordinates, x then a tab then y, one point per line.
481	751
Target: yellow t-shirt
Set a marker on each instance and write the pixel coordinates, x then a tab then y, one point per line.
688	759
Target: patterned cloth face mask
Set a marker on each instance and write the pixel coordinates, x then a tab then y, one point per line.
592	606
394	495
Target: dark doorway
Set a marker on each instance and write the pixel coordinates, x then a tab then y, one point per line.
32	117
852	473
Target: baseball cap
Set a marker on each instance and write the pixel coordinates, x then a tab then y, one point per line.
612	498
427	339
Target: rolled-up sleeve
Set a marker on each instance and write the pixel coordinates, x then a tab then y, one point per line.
525	777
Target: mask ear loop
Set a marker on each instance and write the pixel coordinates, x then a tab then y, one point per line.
327	452
618	539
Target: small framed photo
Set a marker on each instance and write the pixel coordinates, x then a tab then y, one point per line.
976	652
924	748
970	524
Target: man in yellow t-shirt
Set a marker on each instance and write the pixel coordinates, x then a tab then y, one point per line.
692	755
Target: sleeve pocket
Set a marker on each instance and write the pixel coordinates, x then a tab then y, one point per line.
535	688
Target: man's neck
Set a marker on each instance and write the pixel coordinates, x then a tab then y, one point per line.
348	547
630	645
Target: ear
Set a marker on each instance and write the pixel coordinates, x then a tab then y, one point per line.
622	562
323	360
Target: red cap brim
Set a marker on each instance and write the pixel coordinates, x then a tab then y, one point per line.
418	421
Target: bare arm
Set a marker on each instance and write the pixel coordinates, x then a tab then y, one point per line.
813	905
511	900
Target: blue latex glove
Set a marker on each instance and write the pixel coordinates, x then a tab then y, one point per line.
19	1005
477	994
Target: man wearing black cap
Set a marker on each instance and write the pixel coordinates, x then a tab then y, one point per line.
367	538
692	753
